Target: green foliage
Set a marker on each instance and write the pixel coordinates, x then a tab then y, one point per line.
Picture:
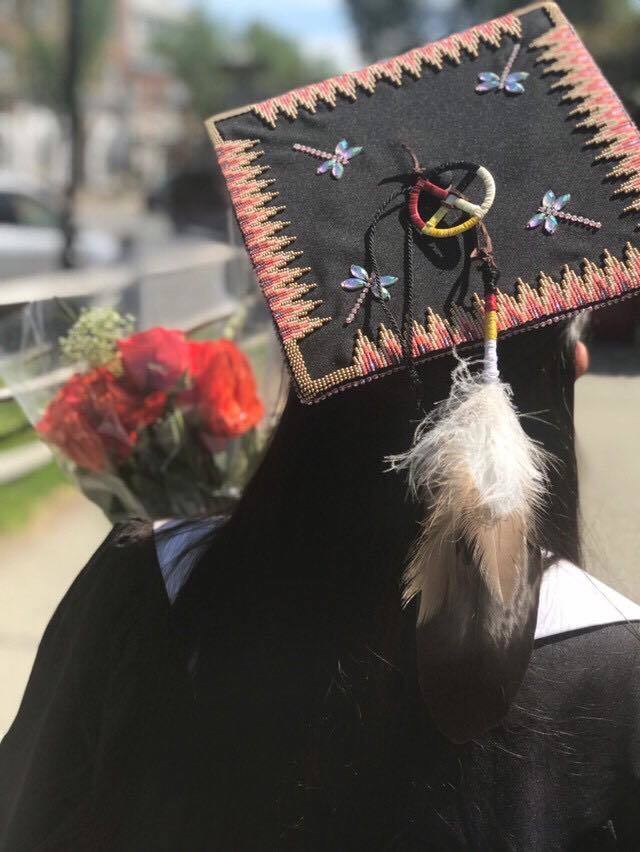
278	64
609	28
221	70
593	12
41	56
194	51
385	28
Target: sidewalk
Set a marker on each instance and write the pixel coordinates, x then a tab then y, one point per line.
37	566
607	423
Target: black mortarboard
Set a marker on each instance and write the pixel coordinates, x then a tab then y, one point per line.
307	171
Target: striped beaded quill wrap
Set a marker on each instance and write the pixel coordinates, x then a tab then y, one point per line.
476	567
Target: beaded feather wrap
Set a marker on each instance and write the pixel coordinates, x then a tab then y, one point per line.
476	568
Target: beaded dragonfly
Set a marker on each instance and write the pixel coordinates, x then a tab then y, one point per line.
550	211
368	283
334	162
509	81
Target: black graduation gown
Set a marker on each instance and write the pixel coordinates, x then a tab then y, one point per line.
102	751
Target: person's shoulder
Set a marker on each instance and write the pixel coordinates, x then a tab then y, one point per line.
139	563
118	594
179	545
124	557
589	632
586	659
120	575
571	601
108	697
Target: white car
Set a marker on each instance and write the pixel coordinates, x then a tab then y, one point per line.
31	239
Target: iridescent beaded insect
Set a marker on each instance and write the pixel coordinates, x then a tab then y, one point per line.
334	162
508	81
551	210
373	283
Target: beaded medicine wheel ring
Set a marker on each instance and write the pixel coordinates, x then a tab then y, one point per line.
450	200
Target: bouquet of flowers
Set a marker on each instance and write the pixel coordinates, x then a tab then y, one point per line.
153	424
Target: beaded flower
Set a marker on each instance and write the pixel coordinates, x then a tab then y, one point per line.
374	284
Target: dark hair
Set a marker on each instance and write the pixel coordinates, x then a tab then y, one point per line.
305	658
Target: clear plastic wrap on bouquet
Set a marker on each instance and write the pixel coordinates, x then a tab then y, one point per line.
157	396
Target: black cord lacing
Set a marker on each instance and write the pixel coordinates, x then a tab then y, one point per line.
404	329
483	251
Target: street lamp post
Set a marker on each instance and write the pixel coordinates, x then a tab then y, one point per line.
74	125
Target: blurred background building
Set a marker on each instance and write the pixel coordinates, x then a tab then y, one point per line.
149	71
104	162
132	103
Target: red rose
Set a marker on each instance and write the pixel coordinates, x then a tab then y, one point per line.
155	359
70	432
224	391
94	419
199	355
145	410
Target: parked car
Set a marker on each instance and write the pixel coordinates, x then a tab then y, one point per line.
31	237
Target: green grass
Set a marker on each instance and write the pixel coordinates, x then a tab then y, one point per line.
14	428
17	439
11	418
19	499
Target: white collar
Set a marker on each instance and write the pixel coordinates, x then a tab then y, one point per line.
571	599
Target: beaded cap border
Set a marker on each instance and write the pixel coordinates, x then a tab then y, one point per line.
432	55
279	275
613	279
268	250
599	108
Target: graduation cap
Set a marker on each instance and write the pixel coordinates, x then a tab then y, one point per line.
521	102
470	189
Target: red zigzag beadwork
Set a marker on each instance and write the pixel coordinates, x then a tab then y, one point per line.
603	112
278	280
614	279
432	55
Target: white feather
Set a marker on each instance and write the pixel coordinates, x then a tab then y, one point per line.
482	480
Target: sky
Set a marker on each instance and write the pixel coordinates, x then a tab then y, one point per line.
321	27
